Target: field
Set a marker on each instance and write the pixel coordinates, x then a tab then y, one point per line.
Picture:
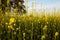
33	26
30	26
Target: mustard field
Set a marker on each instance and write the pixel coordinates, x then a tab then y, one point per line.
29	26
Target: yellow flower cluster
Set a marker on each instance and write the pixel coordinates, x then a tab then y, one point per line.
43	37
45	27
10	27
12	20
19	3
56	33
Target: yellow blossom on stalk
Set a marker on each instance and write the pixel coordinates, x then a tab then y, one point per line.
14	33
47	22
12	20
17	28
19	3
10	27
56	33
14	24
45	27
6	23
24	34
43	37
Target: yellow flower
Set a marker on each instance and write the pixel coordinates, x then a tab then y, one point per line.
12	20
56	33
45	27
19	3
10	27
24	34
43	37
14	24
6	23
14	33
17	28
47	22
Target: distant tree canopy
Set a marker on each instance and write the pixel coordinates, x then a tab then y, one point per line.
12	2
16	1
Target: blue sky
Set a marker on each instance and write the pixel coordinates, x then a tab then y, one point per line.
45	1
42	4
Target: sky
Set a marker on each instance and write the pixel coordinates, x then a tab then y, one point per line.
44	4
